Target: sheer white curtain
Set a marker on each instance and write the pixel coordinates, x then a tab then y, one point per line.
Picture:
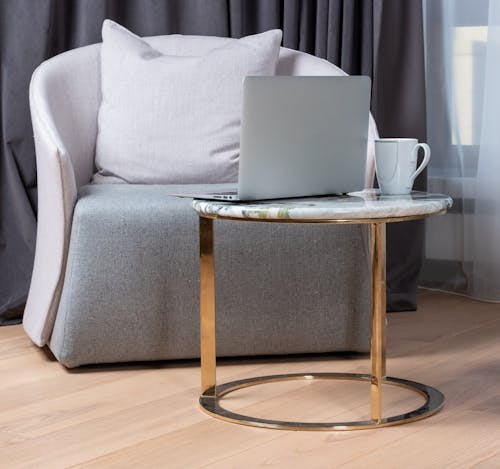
462	49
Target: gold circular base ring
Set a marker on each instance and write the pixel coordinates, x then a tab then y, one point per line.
210	403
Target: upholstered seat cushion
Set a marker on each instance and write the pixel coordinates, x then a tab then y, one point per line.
131	285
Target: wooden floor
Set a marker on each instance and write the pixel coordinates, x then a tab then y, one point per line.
146	415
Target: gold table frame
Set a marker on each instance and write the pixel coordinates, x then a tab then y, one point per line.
211	394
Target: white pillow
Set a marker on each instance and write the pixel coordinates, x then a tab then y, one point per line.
174	119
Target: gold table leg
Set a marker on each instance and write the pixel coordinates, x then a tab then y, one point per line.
207	308
378	340
211	395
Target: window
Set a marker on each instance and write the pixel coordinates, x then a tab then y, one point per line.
468	69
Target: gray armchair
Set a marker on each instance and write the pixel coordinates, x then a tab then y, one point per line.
116	267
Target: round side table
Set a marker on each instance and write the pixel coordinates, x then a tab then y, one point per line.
366	207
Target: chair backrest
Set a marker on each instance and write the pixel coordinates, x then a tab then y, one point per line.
65	91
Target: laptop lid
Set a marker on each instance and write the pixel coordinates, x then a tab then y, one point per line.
303	136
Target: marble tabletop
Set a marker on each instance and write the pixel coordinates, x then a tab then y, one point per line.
365	205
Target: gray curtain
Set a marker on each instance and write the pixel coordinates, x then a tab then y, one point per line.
399	109
379	38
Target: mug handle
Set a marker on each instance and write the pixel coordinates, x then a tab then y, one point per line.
425	161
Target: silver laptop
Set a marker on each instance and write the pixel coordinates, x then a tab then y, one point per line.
301	136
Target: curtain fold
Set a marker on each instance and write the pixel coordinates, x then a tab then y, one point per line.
346	32
399	109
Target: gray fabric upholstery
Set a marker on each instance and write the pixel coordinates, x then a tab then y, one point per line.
131	286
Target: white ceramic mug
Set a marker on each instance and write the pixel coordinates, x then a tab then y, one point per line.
396	163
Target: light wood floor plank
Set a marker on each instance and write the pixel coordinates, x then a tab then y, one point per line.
146	415
290	449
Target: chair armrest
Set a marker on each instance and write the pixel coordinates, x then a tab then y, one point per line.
57	194
64	100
